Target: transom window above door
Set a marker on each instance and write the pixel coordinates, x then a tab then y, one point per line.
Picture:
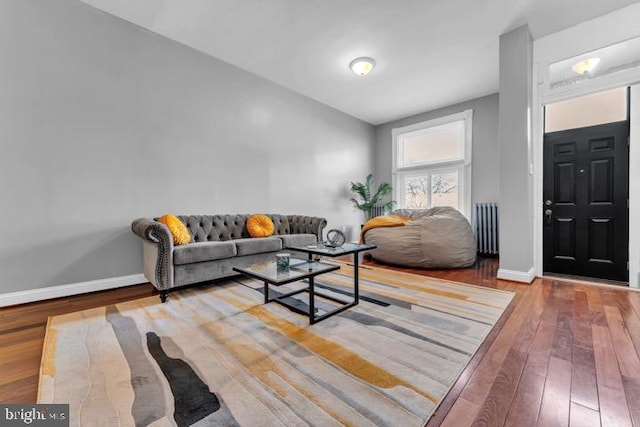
432	163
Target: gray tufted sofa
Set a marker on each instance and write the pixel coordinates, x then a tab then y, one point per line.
218	243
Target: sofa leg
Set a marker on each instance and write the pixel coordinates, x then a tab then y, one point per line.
163	296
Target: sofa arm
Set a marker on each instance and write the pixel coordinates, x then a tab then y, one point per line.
150	230
301	224
158	251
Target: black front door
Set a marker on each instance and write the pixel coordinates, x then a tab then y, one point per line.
585	211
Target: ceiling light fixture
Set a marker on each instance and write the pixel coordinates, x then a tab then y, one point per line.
586	66
362	66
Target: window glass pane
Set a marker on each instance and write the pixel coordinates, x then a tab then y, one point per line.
437	144
444	189
599	108
416	191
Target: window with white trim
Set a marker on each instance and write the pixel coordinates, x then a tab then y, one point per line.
432	163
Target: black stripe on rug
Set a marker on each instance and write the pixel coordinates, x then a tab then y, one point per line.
192	399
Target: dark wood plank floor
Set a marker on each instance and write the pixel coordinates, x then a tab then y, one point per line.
22	329
562	355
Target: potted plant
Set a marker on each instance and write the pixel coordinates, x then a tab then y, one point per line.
367	199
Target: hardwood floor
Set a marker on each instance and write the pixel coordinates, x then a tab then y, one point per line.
563	354
22	329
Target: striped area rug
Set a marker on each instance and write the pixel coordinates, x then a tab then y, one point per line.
217	355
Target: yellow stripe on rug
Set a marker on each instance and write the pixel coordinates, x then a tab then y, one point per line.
342	357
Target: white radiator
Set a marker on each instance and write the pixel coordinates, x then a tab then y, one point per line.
486	228
377	211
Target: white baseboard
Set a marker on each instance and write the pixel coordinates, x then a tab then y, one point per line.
517	276
22	297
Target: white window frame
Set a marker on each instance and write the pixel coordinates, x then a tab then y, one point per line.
463	166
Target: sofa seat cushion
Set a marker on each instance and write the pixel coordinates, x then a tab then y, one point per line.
257	246
289	240
203	251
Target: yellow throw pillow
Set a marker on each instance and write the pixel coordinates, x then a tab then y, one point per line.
260	226
178	230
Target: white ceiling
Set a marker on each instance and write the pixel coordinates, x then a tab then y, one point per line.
429	53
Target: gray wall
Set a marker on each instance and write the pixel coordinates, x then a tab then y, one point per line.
516	182
102	122
485	173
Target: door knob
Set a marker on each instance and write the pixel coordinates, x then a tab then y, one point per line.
547	215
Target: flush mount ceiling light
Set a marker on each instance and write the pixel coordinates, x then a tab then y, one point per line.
362	66
586	66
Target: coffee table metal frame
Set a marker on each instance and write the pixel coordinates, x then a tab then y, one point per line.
297	266
321	249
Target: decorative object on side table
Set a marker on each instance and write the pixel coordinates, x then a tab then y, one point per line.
335	238
282	261
369	200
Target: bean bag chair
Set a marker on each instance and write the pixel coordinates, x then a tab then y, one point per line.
439	237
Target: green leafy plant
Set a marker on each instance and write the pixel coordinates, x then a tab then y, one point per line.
368	199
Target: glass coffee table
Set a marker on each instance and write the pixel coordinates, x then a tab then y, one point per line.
321	249
299	270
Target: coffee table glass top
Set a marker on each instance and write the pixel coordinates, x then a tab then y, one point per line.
298	269
322	249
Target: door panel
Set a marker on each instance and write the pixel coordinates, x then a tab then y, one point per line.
586	187
565	184
601	240
565	244
601	183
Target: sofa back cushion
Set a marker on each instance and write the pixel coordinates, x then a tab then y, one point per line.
212	228
281	224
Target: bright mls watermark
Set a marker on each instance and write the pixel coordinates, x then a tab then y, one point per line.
42	415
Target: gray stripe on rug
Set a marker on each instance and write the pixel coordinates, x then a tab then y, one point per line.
148	404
